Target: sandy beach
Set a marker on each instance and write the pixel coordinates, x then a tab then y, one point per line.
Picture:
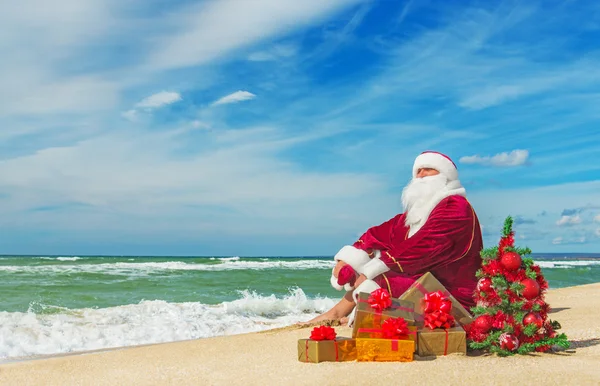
270	358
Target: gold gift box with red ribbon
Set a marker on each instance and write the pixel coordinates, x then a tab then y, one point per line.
338	350
394	341
368	317
384	350
441	341
427	284
325	346
377	333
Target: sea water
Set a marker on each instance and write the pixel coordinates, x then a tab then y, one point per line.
62	304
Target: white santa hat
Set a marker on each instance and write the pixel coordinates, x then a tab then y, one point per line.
438	161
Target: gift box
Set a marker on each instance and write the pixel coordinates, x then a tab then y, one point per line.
384	350
377	333
324	345
368	317
340	349
427	284
441	341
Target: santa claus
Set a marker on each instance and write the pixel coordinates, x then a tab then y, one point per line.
438	232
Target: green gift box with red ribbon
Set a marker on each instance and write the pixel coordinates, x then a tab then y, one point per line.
372	309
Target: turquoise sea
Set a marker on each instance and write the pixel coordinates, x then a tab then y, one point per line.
58	304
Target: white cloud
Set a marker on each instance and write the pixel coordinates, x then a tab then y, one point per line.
279	51
514	158
130	115
235	97
159	99
195	43
569	220
200	125
597	232
597	218
40	44
141	176
574	240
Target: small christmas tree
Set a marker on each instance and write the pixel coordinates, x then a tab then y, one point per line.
511	315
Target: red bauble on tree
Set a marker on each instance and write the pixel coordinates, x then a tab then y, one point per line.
531	290
484	284
508	342
511	261
533	318
483	323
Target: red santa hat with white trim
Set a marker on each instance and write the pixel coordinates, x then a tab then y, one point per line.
438	161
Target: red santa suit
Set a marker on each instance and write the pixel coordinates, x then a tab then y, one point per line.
447	241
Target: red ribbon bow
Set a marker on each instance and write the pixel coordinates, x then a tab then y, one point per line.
394	328
323	333
439	319
380	299
436	301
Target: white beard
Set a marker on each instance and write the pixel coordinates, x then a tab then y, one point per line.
421	195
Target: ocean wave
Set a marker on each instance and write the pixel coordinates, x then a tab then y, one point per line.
46	330
60	258
567	264
125	268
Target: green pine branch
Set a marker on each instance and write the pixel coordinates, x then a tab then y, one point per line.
523	251
530	330
488	254
500	284
508	224
559	340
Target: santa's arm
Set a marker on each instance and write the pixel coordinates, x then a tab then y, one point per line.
378	236
445	237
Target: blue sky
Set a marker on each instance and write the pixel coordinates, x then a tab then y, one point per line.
263	127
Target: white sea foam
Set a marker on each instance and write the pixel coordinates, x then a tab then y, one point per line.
26	334
567	263
70	258
145	268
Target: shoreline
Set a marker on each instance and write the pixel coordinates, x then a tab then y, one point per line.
270	357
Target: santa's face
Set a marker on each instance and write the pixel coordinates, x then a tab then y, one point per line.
418	194
427	172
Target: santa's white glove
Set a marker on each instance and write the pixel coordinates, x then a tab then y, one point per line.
355	259
367	286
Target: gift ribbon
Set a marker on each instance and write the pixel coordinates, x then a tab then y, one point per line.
445	343
436	301
424	291
393	306
334	343
380	331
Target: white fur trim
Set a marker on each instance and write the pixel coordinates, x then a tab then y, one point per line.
355	257
367	286
335	284
452	188
438	162
375	268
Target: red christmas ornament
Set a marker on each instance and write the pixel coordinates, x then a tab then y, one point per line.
484	284
508	342
510	261
531	290
533	318
483	323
